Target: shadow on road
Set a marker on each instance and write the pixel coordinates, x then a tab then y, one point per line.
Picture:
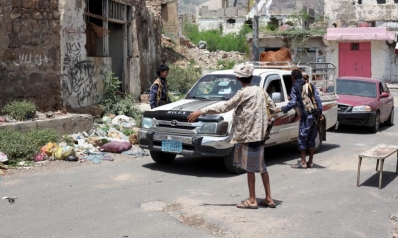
194	166
277	202
373	181
358	130
214	167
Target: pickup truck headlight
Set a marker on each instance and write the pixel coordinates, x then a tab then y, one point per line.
217	128
147	122
361	109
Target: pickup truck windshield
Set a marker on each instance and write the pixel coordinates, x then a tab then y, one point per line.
218	87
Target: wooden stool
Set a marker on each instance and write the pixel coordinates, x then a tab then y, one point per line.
379	152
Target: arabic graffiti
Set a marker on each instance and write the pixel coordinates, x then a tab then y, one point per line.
73	30
31	59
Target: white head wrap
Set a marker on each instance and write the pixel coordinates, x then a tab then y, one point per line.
243	70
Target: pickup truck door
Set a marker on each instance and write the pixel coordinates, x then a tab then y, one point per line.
275	88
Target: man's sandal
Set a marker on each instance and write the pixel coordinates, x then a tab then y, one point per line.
246	205
299	166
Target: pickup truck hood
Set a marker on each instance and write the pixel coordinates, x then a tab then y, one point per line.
190	105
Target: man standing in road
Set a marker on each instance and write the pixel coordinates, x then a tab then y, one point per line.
308	121
249	129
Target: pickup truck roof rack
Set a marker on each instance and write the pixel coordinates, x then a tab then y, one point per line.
321	74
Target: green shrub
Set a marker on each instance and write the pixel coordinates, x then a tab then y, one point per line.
23	146
180	80
20	110
117	103
215	40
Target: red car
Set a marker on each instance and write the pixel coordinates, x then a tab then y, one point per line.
364	102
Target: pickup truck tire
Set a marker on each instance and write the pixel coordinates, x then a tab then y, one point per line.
229	163
162	158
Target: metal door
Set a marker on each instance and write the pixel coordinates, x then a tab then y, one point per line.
355	59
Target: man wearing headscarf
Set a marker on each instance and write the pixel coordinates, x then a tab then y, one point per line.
248	131
159	92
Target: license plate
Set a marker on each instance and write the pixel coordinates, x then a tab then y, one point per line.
172	146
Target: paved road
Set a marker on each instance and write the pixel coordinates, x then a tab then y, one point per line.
195	197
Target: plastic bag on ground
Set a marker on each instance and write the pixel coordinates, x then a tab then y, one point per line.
3	157
124	121
58	153
115	147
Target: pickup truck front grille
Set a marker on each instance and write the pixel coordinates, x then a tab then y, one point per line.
179	127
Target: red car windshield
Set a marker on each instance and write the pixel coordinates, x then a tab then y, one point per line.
356	88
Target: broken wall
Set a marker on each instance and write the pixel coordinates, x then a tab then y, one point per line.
170	20
351	11
82	77
147	44
30	52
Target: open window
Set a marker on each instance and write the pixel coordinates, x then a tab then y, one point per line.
274	88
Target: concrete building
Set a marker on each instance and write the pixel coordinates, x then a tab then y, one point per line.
362	37
56	53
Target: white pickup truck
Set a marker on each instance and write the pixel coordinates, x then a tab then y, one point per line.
166	132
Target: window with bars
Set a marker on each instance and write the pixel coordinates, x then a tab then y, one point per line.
354	46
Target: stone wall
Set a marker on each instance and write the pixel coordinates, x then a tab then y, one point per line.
30	52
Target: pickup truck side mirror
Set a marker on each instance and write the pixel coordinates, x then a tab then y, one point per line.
276	97
384	95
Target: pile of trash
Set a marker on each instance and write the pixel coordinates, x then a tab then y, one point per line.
113	134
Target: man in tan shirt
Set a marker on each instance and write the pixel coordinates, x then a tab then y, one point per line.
248	131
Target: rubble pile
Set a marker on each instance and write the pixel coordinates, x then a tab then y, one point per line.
184	53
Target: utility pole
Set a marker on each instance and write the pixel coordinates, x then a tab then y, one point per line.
256	10
256	56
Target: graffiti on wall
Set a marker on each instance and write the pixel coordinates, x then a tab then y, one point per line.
81	84
79	81
31	59
73	29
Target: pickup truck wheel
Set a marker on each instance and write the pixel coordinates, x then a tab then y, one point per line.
162	158
318	139
229	163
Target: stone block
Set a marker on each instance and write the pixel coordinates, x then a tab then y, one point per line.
63	124
55	26
26	16
53	4
29	4
14	40
16	3
37	16
16	26
144	98
56	15
44	3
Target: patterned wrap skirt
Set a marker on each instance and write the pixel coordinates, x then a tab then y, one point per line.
250	157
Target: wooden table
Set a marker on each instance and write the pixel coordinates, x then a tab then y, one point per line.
379	152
